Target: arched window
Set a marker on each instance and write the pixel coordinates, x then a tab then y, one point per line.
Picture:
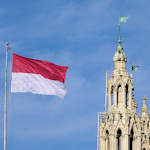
119	134
112	95
131	139
119	94
107	140
127	95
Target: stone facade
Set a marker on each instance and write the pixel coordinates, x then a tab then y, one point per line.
121	128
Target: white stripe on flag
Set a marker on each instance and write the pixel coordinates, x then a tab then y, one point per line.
37	84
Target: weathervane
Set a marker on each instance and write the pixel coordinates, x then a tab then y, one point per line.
121	19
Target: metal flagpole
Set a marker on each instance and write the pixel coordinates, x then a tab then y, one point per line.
119	29
5	103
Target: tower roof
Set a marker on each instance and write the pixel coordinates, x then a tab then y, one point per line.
120	55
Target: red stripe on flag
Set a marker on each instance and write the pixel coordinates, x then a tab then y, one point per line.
46	69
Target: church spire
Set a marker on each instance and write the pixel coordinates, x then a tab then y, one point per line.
120	127
120	58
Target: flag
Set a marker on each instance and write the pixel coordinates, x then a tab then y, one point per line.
123	19
37	76
134	67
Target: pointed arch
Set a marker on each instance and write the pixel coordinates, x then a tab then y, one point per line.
120	126
120	91
112	94
119	94
120	82
119	132
127	95
133	126
128	82
119	135
131	139
107	140
106	128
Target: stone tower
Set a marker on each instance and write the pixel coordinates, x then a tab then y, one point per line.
121	128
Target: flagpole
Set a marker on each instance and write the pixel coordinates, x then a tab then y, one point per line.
119	28
119	41
5	103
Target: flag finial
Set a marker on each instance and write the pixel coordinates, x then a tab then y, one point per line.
121	19
7	45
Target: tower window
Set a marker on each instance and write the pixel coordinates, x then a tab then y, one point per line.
119	134
119	94
112	95
131	139
107	140
107	133
127	95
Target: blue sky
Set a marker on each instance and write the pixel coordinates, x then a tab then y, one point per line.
80	34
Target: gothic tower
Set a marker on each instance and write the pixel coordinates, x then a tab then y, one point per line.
121	128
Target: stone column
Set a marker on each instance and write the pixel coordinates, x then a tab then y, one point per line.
138	143
130	98
134	146
102	143
126	142
124	97
110	97
107	143
111	142
115	143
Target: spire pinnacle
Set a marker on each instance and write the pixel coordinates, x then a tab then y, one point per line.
144	100
144	110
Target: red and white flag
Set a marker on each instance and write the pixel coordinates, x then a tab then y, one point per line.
37	76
